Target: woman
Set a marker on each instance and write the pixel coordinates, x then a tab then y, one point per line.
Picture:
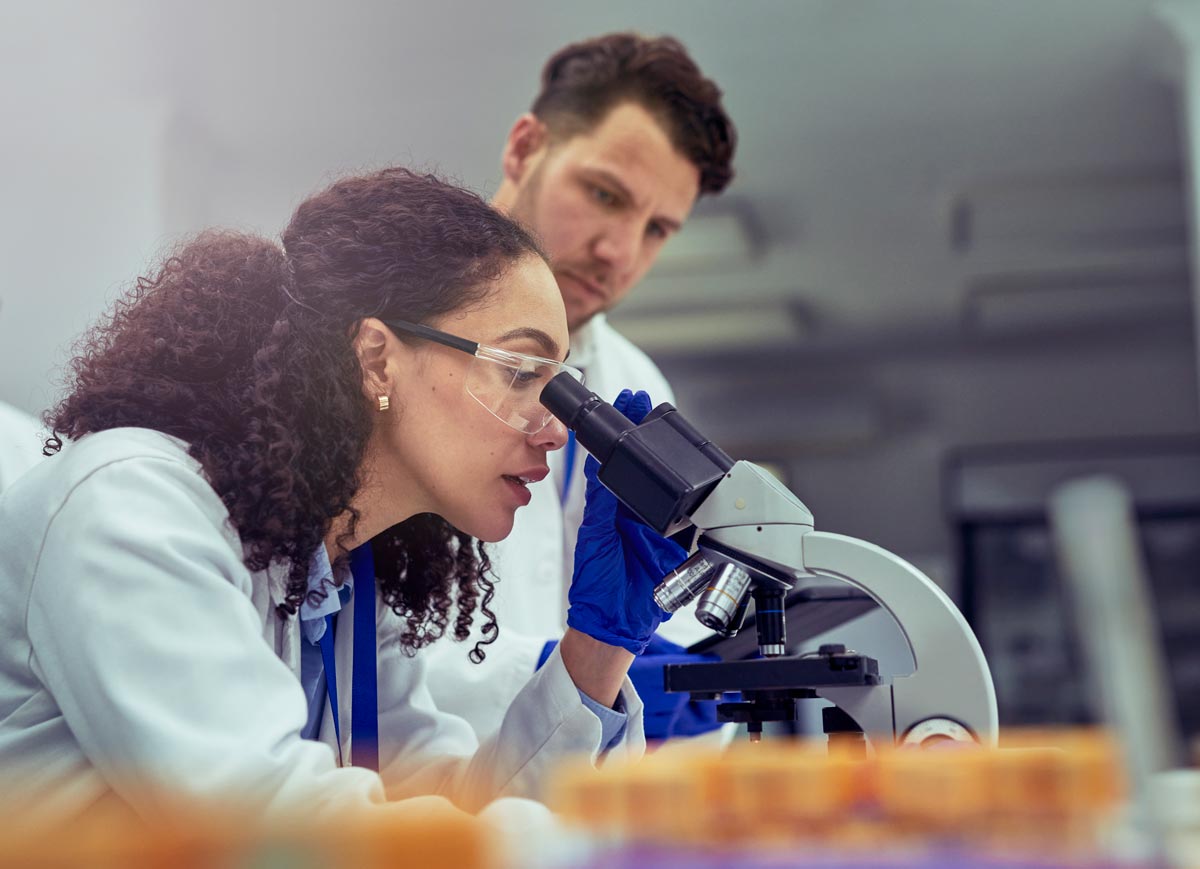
246	433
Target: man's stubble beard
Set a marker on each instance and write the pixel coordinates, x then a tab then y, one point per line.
525	211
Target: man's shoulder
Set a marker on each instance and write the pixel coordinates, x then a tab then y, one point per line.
620	363
605	337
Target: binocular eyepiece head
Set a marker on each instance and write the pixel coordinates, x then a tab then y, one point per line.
660	468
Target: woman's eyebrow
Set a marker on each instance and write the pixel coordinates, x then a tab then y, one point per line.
549	345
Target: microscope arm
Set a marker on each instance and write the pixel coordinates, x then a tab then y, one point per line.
952	680
751	514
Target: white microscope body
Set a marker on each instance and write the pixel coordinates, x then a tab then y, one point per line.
950	695
757	541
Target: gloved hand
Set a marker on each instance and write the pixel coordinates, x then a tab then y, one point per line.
618	561
666	715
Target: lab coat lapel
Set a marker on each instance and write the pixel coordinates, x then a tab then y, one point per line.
343	655
284	636
268	591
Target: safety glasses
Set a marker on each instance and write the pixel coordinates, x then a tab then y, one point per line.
507	384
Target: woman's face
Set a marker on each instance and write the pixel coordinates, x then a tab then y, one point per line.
437	449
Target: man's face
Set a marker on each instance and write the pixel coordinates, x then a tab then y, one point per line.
603	204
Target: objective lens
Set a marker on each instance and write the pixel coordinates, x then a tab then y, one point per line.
722	599
768	616
683	583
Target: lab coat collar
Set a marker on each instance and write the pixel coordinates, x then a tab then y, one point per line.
583	343
315	608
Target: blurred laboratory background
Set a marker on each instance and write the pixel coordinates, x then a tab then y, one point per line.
955	268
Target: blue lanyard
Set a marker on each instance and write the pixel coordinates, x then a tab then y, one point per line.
568	465
364	712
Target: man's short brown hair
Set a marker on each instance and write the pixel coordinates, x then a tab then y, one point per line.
585	80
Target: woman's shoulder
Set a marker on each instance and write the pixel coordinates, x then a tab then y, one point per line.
109	495
119	444
104	468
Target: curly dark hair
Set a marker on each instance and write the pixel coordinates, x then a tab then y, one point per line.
583	81
246	353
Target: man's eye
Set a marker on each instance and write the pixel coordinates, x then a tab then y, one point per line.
657	230
602	196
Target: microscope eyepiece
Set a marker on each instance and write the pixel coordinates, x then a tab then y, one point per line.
661	468
598	426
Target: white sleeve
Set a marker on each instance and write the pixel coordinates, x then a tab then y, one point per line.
141	628
529	604
425	750
479	693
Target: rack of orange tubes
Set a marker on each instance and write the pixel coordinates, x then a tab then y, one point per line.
425	833
1045	793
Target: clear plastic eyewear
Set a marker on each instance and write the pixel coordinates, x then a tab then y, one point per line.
506	383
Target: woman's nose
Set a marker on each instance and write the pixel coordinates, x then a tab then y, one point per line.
618	247
552	437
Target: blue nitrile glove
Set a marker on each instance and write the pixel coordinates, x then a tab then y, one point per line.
618	561
666	715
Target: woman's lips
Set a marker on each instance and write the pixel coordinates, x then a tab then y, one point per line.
519	483
519	489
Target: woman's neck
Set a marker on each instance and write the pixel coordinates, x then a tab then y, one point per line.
379	505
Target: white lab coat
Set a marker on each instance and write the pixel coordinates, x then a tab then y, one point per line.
534	563
21	438
139	656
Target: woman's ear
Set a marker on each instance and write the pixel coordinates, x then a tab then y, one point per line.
524	147
376	346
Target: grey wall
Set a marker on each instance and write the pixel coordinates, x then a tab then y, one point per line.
864	435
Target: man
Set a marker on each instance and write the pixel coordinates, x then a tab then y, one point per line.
623	138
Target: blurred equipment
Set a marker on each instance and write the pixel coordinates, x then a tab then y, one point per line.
1097	546
756	541
1016	596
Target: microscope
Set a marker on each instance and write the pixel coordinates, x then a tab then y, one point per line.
754	541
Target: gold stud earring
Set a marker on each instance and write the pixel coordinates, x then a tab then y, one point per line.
384	403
